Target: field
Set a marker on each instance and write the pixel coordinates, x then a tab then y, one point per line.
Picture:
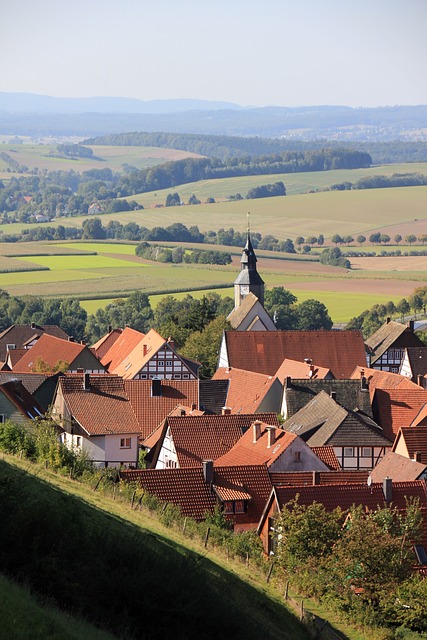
115	271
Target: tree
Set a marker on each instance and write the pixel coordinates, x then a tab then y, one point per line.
173	200
336	239
299	241
361	239
93	229
384	238
410	239
403	308
204	345
312	240
397	238
348	240
320	240
193	200
375	238
422	238
313	315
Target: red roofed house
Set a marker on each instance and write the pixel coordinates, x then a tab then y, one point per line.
387	345
241	492
411	442
153	400
396	408
184	441
138	356
264	351
378	379
399	468
250	392
271	446
344	496
24	336
96	415
49	352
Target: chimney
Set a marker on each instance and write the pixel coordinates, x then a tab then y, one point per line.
417	456
387	320
193	406
144	349
156	387
364	384
86	381
333	395
207	466
288	382
110	328
311	371
171	343
226	411
421	381
411	326
271	433
70	339
256	430
388	489
316	478
33	325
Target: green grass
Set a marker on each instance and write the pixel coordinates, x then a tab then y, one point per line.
77	263
24	617
123	570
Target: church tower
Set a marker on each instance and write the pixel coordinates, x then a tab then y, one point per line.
248	280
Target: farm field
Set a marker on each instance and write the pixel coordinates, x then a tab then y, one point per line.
37	156
116	271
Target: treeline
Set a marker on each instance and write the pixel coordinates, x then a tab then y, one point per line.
224	147
178	255
381	182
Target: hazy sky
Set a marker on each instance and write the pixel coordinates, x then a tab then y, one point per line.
251	52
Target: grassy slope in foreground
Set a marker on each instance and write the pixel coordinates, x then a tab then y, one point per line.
122	569
24	617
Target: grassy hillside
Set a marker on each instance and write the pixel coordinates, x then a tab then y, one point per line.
122	570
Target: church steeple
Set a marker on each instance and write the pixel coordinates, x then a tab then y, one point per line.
248	279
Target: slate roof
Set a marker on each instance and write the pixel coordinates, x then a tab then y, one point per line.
399	468
19	334
152	410
31	381
391	334
186	488
246	451
382	380
323	421
396	408
306	478
237	315
302	370
213	395
246	389
101	409
28	406
348	393
415	439
264	351
50	350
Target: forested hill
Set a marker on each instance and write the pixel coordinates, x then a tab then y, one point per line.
224	147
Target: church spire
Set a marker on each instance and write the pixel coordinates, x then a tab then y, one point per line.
248	279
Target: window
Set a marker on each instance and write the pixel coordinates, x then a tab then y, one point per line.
168	363
125	443
239	506
9	347
185	376
228	507
234	506
297	456
366	452
78	441
1	418
348	452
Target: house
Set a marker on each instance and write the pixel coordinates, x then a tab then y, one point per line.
50	353
264	351
399	468
240	492
184	441
269	445
307	369
411	442
378	379
358	442
414	364
386	346
309	478
343	496
250	392
137	356
41	386
398	407
17	404
96	416
153	400
19	336
105	343
351	394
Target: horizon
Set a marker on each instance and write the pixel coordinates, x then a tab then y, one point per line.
358	54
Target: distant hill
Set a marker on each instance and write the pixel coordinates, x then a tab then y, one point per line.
35	115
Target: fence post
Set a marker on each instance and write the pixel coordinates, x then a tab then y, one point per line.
287	590
247	559
207	536
184	525
270	571
133	499
302	610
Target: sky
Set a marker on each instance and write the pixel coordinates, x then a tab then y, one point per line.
358	53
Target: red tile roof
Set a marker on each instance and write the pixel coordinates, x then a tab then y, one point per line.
152	410
302	370
382	380
264	351
246	451
130	365
415	439
327	455
105	343
101	409
122	346
306	478
399	468
246	389
396	408
50	350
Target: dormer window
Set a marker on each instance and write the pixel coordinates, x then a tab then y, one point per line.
9	347
234	506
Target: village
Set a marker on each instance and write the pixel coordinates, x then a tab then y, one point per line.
318	414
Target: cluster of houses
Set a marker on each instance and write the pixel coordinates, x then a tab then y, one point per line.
352	427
